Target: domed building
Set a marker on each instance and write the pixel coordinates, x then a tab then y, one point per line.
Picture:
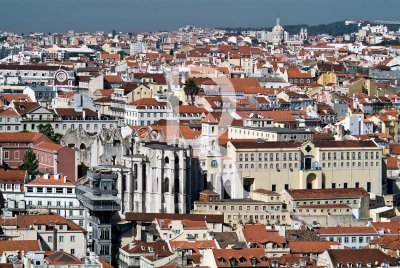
278	33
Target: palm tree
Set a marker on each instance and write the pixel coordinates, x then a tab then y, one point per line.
191	89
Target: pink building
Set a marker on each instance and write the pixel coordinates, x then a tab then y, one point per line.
55	159
13	146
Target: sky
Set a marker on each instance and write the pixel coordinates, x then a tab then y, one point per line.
155	15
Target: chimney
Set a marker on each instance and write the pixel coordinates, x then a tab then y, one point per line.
83	114
65	179
56	176
55	245
46	176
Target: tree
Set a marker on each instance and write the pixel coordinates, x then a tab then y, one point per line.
191	89
30	163
48	130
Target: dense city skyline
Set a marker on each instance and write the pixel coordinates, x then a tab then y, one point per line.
155	15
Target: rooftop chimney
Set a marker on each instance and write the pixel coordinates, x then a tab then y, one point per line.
65	179
46	176
56	176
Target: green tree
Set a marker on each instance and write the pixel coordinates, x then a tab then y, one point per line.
48	130
30	163
191	89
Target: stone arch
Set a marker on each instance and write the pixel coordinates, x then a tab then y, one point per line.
311	181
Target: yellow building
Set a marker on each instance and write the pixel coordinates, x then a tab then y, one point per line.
281	165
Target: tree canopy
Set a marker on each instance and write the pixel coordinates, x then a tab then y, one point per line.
191	89
30	163
48	130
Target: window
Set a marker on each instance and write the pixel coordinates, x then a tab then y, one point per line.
72	238
61	238
6	155
72	251
59	190
50	239
353	239
368	186
345	185
273	187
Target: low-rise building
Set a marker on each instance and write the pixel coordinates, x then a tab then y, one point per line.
242	211
352	237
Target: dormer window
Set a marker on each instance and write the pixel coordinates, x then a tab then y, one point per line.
221	260
232	261
242	259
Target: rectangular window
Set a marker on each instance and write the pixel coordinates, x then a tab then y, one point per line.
6	155
273	188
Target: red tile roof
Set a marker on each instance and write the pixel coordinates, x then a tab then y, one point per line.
12	176
27	137
242	257
364	256
306	247
25	221
327	193
258	234
49	145
50	181
19	245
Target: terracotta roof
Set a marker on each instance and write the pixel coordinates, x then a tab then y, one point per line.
347	144
327	193
19	245
242	257
25	221
147	102
258	234
13	176
49	145
25	107
253	144
264	191
194	245
28	137
141	247
50	181
395	149
184	109
392	163
189	224
61	258
15	97
389	228
305	247
387	242
363	256
113	79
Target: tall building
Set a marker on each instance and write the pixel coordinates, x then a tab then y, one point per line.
98	194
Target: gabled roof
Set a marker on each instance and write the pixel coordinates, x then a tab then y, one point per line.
258	234
61	258
363	256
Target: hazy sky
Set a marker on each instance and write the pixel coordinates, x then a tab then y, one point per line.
153	15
